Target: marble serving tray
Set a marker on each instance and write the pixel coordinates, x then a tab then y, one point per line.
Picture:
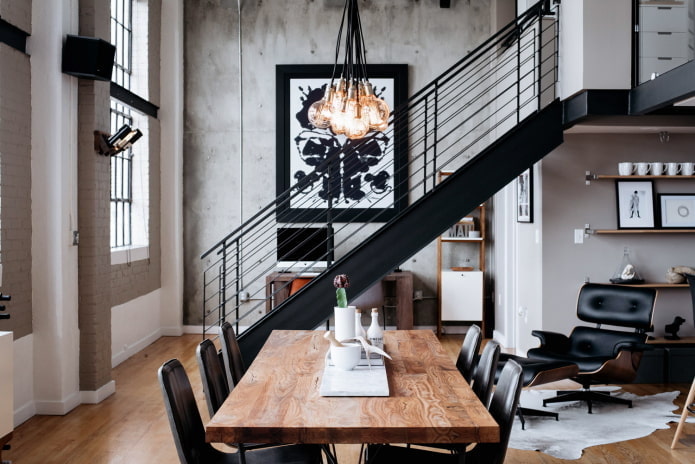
360	381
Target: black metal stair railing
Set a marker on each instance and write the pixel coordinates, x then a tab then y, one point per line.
445	126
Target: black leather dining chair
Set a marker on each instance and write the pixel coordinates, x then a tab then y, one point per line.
465	362
503	404
212	375
602	355
231	354
484	376
189	432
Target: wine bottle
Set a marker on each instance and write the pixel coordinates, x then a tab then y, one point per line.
374	334
359	329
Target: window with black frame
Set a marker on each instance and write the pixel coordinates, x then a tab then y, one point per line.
130	167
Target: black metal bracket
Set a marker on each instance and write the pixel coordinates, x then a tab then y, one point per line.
2	307
13	36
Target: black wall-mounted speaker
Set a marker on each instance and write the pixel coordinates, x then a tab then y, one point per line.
88	57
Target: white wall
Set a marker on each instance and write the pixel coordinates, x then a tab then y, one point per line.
595	45
134	325
24	406
54	212
6	385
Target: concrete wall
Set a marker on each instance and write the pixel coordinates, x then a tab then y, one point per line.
229	143
568	204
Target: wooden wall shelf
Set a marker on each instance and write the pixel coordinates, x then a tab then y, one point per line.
655	285
640	231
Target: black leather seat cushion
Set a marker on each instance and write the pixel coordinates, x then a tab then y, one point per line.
589	348
533	368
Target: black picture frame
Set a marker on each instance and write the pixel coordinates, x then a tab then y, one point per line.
524	196
635	204
379	174
677	210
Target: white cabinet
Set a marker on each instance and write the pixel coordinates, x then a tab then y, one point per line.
462	296
665	36
6	386
461	270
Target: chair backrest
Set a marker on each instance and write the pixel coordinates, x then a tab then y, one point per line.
502	407
233	361
691	282
212	375
469	350
484	376
184	417
617	305
590	342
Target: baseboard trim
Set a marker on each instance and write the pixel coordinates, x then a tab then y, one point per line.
172	331
24	413
130	350
59	408
99	395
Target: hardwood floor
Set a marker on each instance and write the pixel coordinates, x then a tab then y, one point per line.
131	425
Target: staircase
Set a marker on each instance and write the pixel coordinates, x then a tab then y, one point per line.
488	118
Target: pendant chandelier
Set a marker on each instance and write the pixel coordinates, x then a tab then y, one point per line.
349	106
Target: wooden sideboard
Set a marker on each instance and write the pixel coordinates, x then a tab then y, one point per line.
277	290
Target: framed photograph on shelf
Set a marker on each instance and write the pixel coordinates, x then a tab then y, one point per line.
358	180
677	210
524	196
635	204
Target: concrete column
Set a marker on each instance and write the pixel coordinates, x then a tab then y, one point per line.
171	118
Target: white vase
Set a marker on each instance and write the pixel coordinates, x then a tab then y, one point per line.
344	320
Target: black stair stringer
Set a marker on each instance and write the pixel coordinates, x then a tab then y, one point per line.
416	226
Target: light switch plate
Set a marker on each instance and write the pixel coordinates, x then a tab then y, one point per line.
578	235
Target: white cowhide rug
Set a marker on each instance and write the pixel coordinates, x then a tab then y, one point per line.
576	429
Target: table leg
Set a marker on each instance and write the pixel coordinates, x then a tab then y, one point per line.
330	454
404	304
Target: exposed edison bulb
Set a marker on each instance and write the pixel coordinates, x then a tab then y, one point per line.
338	121
351	103
383	109
339	96
358	126
377	110
320	113
341	119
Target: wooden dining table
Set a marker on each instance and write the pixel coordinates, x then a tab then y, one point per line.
278	399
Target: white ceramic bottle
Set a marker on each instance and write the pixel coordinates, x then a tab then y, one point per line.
374	334
359	329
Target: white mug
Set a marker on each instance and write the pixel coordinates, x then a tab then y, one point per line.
687	169
642	168
657	168
626	169
672	169
346	357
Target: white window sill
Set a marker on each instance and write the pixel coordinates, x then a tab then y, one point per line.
125	255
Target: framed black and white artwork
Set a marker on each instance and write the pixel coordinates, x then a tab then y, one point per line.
524	196
635	204
677	210
358	180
